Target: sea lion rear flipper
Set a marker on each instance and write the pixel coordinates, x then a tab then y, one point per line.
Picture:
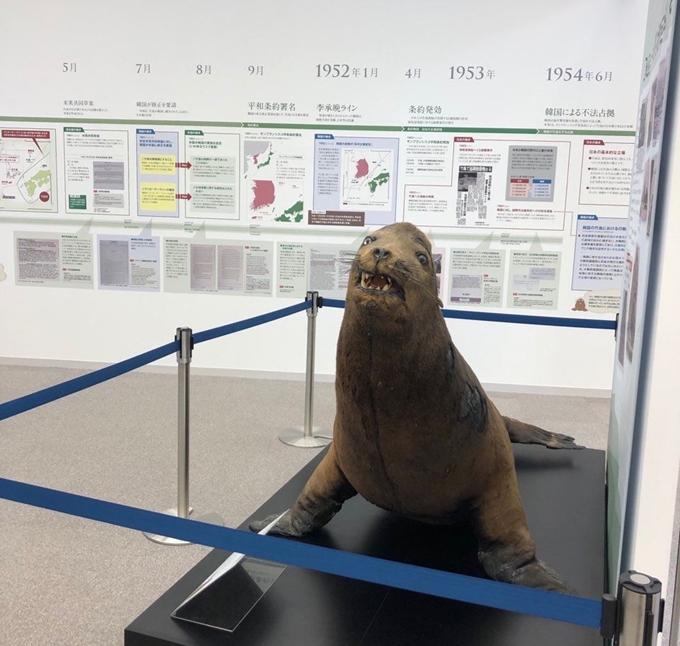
322	497
522	433
506	549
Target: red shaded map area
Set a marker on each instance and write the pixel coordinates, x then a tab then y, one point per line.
362	169
264	193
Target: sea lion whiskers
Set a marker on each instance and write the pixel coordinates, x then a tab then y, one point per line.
406	272
375	280
402	272
345	260
346	264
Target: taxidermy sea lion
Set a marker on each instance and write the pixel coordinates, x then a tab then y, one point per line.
414	431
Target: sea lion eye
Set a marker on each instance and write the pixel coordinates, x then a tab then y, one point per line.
368	240
422	258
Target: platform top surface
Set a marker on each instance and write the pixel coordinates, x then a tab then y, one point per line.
563	495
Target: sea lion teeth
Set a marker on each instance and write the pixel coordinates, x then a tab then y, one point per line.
378	282
375	281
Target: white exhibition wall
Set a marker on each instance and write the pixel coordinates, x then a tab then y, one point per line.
123	325
455	141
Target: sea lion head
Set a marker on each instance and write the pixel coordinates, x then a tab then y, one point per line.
393	272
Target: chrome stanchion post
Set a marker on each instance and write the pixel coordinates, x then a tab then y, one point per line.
183	362
308	436
635	616
183	510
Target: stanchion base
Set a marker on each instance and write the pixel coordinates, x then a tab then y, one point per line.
295	436
211	518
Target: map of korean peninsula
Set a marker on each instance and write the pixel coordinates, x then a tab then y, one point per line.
366	177
27	170
275	181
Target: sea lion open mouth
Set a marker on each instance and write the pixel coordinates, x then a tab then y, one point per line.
380	283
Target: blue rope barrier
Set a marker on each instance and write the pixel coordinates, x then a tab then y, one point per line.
581	611
557	321
230	328
28	402
47	395
333	302
52	393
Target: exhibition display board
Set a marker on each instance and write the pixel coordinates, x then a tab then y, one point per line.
626	443
251	168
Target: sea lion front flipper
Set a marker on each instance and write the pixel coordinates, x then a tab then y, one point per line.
506	549
521	433
322	497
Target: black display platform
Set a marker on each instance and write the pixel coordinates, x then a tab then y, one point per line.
563	494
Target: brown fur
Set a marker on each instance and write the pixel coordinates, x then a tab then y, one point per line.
414	431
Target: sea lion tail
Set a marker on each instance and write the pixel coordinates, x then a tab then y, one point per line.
522	433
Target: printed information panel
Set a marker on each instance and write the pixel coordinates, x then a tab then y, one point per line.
495	151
